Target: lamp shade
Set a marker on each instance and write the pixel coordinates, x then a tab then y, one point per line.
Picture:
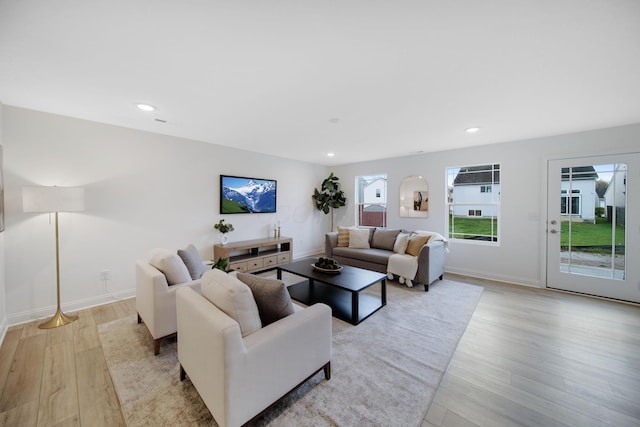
52	199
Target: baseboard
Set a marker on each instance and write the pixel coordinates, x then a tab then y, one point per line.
46	312
4	326
486	275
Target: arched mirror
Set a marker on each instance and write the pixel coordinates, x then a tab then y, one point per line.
414	197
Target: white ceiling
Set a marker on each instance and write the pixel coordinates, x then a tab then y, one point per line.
366	79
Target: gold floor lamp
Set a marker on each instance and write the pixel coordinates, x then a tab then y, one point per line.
54	199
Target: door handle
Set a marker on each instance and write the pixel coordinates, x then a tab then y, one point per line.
553	231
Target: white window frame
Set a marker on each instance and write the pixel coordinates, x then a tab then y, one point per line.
464	208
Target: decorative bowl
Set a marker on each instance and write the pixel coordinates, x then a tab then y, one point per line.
327	270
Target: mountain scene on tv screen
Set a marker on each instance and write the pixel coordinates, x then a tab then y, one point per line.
254	196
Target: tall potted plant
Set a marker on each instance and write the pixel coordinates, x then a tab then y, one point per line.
330	196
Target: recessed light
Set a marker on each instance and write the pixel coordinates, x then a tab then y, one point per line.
145	107
331	154
472	130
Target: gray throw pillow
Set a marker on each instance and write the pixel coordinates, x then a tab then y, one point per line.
384	238
272	297
192	260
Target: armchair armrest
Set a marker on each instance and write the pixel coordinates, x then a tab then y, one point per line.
155	299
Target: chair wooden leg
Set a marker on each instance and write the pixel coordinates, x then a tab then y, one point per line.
183	373
327	371
156	346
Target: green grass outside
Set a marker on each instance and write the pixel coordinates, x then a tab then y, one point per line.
468	228
582	233
589	234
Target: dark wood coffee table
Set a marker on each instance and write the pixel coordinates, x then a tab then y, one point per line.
340	291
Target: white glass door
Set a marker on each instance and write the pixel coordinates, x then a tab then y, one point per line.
593	226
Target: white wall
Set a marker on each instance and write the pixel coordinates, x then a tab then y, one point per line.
3	303
142	190
517	259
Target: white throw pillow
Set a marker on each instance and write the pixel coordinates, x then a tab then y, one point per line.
359	238
400	246
233	297
170	264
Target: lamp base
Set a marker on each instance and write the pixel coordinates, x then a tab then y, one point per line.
58	319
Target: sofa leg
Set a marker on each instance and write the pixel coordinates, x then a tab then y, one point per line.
156	346
426	287
327	371
139	319
183	373
441	276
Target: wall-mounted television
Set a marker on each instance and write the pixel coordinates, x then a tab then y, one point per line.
240	194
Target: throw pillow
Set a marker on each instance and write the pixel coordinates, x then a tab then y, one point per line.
233	297
359	238
343	236
416	241
400	245
192	261
384	238
170	265
271	295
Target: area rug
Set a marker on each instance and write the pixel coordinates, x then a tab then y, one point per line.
385	371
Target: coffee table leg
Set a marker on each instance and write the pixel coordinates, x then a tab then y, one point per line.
279	273
383	285
354	307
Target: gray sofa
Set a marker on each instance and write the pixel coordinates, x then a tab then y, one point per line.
430	260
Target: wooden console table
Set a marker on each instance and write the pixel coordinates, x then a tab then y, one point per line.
255	255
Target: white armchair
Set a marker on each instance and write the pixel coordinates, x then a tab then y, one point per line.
156	302
238	378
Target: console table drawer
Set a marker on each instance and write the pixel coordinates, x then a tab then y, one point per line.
255	263
270	261
284	258
238	266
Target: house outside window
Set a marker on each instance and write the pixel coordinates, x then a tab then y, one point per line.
473	200
371	196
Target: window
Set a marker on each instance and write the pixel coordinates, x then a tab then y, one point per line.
473	199
575	205
371	196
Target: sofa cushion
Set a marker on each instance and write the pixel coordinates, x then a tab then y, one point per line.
359	238
416	241
271	295
384	238
192	261
376	256
233	297
170	265
400	245
343	236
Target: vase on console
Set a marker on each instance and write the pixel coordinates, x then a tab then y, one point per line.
224	229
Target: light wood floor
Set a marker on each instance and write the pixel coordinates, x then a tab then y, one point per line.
529	357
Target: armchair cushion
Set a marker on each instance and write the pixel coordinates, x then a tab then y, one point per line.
272	297
170	265
192	261
233	297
